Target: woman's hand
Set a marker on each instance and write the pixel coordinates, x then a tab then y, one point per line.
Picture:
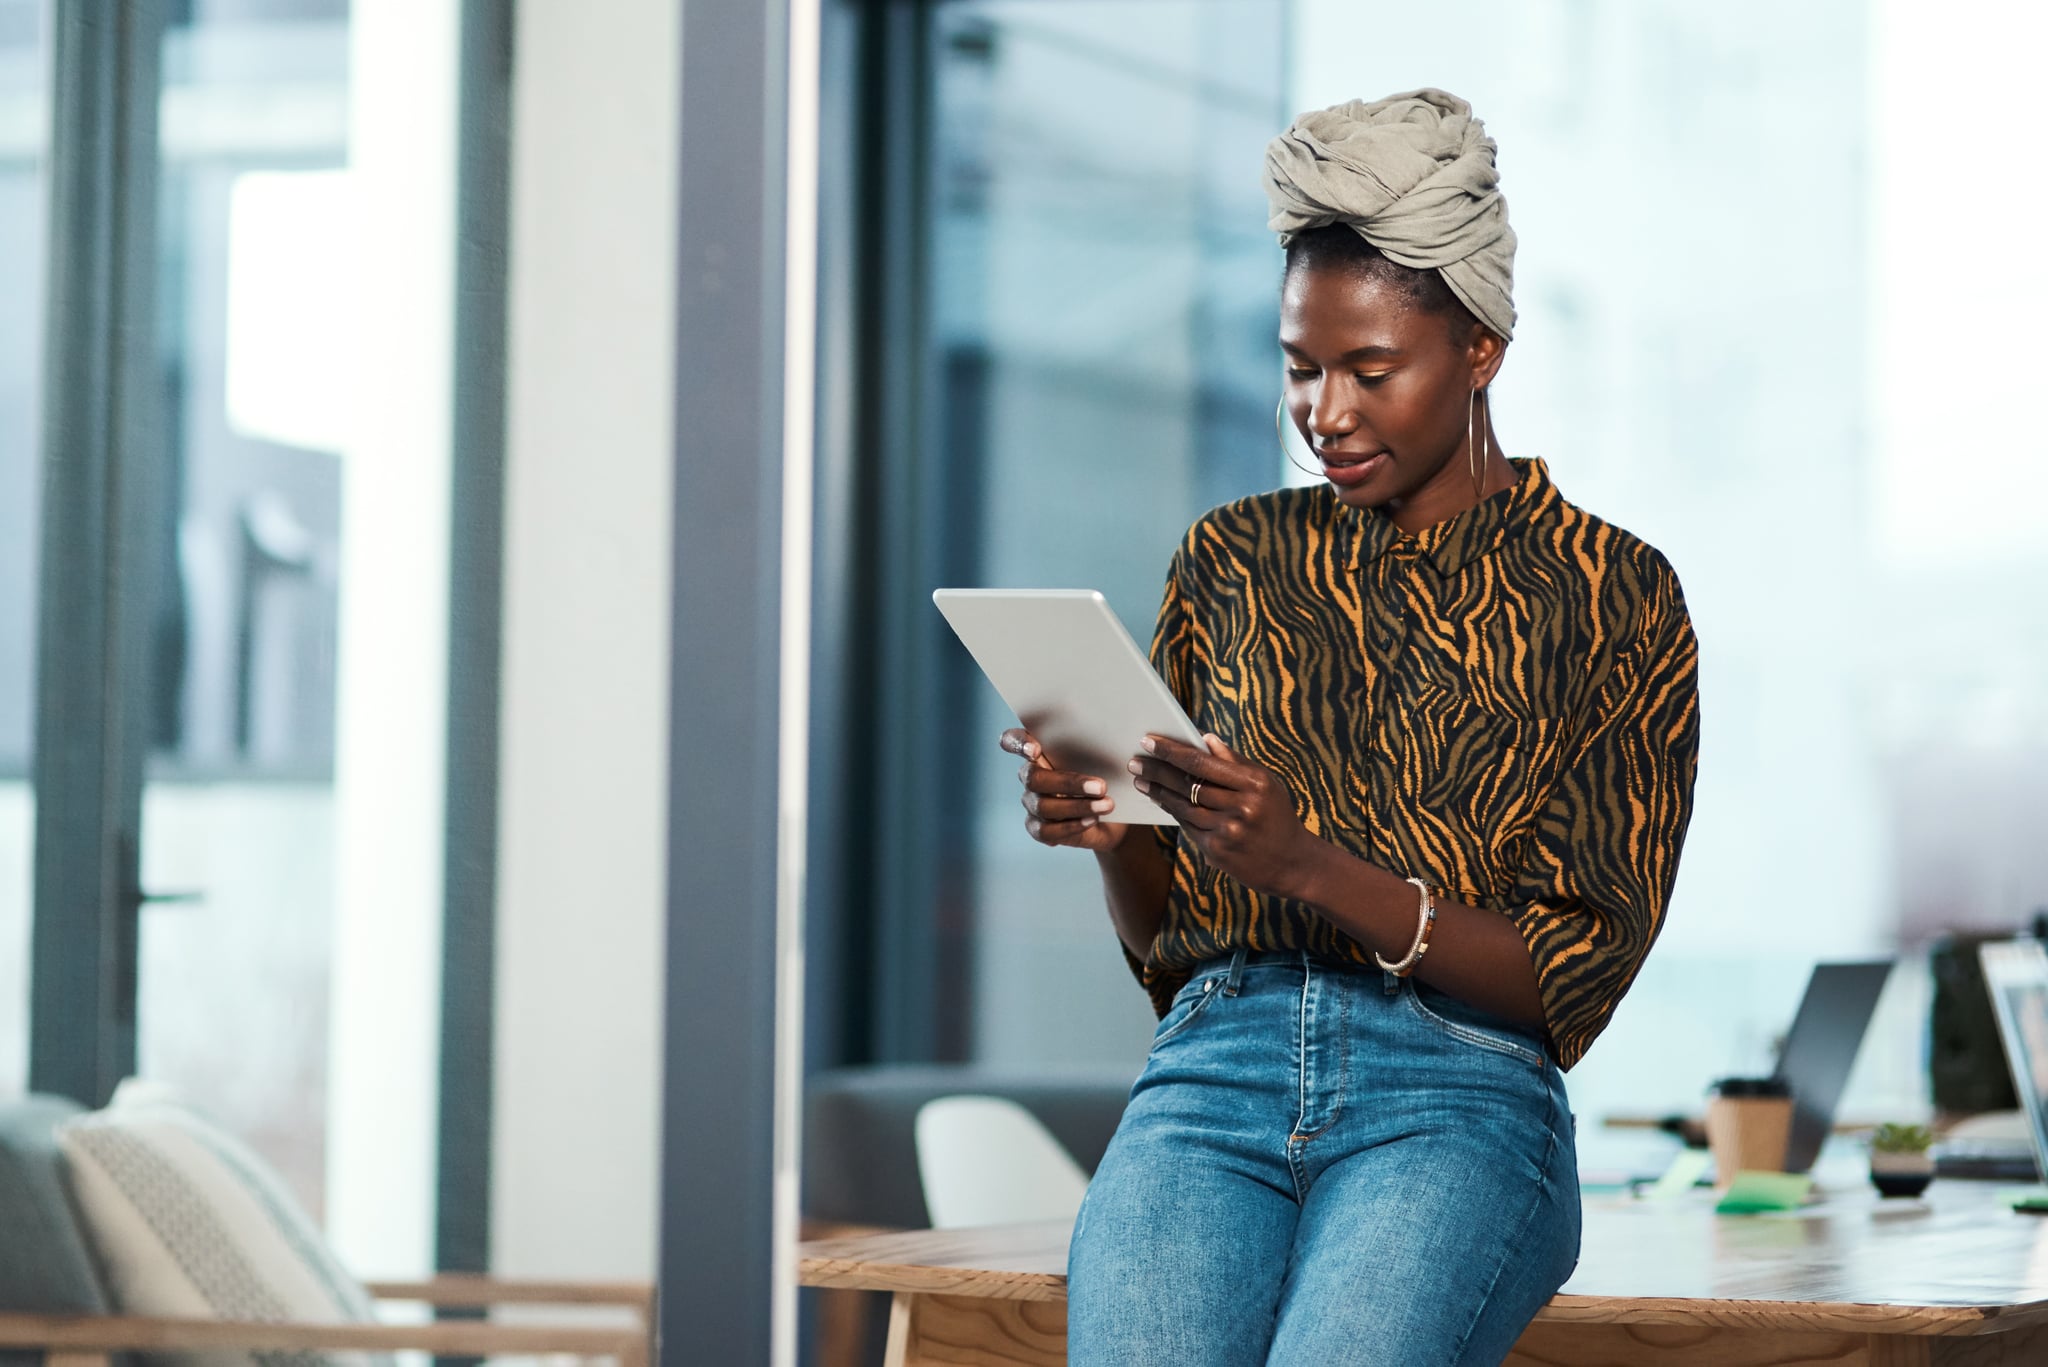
1243	821
1062	808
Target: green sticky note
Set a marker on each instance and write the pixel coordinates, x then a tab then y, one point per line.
1687	1168
2025	1198
1753	1191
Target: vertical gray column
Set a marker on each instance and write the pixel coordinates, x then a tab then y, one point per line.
103	544
462	1217
717	1246
902	460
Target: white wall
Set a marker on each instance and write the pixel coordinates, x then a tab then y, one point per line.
582	836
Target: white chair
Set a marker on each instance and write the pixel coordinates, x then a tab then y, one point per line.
985	1160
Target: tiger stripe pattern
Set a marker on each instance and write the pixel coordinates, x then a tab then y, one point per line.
1504	705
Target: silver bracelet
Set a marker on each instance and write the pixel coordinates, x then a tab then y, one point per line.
1425	921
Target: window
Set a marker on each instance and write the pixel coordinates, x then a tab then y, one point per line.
1742	351
233	1004
1095	306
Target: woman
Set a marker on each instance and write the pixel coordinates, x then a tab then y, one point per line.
1451	735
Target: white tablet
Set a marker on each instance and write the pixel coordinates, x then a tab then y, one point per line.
1075	679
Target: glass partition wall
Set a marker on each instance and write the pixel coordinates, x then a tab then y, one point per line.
1103	306
242	795
1092	301
237	684
238	805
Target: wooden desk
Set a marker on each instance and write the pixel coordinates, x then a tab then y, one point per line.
1955	1280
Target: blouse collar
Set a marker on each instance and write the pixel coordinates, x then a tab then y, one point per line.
1457	541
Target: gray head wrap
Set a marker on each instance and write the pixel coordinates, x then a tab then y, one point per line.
1413	175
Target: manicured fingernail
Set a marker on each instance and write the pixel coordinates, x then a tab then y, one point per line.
1150	746
1101	804
1031	748
1032	826
1024	771
1095	787
1141	785
1087	821
1136	767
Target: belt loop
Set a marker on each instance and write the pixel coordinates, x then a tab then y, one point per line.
1230	983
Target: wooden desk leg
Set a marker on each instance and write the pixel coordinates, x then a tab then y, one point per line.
900	1307
842	1322
975	1331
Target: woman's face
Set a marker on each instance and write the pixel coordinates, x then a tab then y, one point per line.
1382	391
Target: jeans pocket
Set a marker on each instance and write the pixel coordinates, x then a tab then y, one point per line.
1187	1007
1462	1023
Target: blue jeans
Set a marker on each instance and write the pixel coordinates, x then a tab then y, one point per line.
1317	1170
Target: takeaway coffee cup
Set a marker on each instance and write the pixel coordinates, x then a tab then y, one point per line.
1749	1120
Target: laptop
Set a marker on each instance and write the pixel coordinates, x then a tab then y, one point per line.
2016	975
1821	1049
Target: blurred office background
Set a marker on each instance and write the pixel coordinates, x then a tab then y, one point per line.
1776	318
1743	336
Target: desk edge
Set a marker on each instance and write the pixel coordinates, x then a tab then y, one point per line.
861	1274
1944	1321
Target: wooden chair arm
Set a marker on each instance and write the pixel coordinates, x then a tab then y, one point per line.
465	1290
71	1336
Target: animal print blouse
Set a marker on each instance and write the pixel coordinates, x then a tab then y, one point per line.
1504	705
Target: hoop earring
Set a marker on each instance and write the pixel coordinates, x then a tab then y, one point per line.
1474	435
1280	425
1472	438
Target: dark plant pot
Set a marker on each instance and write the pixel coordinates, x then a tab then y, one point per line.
1900	1183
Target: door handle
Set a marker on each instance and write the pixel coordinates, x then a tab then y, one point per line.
134	897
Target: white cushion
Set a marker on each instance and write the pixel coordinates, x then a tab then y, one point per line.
188	1222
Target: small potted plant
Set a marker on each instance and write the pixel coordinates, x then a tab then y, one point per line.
1899	1162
